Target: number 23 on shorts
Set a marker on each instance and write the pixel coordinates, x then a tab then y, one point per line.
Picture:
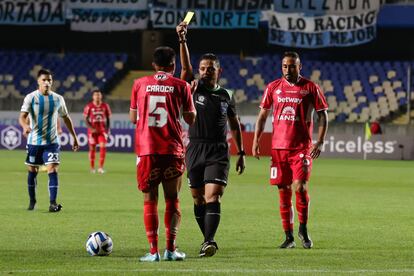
52	157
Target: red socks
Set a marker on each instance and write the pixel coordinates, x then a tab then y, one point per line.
151	224
302	206
92	154
102	154
286	209
172	220
92	157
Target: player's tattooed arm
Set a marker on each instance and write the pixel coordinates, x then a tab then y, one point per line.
322	129
260	124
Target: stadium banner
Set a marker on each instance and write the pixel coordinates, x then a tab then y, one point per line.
387	146
32	12
108	4
297	30
107	20
229	5
206	19
325	7
119	140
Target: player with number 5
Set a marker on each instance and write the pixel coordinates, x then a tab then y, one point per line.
156	105
43	107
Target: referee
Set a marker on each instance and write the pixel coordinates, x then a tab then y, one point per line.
207	154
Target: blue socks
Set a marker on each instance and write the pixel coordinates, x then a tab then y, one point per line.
31	185
53	187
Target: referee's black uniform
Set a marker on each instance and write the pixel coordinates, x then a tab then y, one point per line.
207	156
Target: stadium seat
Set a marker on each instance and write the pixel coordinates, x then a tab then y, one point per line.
380	85
20	69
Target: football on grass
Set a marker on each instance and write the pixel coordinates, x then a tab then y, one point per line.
99	244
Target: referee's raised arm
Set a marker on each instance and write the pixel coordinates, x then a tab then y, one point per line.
187	73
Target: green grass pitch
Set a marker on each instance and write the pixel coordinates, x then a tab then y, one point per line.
361	221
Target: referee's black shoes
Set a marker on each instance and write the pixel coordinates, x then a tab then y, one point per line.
208	249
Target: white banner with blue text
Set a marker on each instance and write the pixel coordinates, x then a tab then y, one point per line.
107	16
325	7
206	19
32	12
298	30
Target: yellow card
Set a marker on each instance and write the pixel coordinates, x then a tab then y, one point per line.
188	17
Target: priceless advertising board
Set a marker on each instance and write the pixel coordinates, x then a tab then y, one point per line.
381	147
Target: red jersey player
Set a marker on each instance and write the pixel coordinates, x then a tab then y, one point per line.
156	104
293	100
97	116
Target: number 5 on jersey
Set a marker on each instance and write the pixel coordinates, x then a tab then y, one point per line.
157	116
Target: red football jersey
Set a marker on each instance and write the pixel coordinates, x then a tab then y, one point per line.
158	100
97	115
293	107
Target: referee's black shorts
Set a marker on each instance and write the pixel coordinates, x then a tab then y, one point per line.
207	163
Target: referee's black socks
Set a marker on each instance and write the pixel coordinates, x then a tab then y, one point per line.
200	213
211	220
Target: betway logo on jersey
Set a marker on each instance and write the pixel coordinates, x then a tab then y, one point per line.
288	100
97	115
160	88
288	114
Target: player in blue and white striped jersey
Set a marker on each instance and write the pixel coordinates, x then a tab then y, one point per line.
43	107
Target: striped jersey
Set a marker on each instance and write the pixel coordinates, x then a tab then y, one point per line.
43	113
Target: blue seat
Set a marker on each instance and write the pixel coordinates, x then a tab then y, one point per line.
341	117
19	64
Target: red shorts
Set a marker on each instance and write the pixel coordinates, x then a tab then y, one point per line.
97	138
290	165
153	169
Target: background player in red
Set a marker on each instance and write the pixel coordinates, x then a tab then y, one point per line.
293	100
97	116
156	102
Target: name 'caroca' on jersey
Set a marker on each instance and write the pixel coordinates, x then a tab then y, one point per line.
159	88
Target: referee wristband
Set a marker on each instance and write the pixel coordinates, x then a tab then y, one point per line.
242	153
